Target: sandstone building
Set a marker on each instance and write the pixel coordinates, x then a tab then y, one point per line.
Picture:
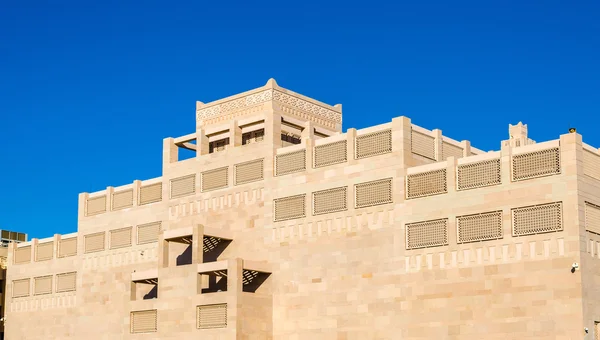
283	227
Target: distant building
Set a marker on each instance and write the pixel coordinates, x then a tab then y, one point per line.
5	238
283	227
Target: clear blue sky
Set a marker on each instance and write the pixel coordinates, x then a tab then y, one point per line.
88	92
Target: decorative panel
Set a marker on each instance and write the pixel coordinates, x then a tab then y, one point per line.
591	164
44	251
249	172
147	233
215	179
422	145
66	282
451	150
211	316
592	218
373	193
67	247
96	205
288	208
122	199
537	219
120	238
290	162
536	164
597	330
144	321
183	186
479	227
42	285
23	254
329	154
150	193
479	174
373	144
331	200
426	184
94	242
21	288
427	234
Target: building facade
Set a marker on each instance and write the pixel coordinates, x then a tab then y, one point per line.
283	227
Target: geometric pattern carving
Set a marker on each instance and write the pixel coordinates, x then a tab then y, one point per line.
329	154
422	145
67	247
247	172
44	251
373	144
543	218
591	164
426	184
212	316
150	193
536	164
120	238
42	285
288	208
66	282
21	288
94	242
144	321
96	205
331	200
23	254
373	193
122	199
592	218
451	150
427	234
290	162
479	174
479	227
148	233
183	186
215	179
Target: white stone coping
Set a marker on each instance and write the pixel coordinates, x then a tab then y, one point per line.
426	168
372	129
535	147
479	158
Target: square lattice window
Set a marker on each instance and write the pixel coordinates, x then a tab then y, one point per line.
537	219
479	227
329	154
426	184
288	208
479	175
249	172
427	234
373	144
536	164
331	200
215	179
422	145
592	218
290	162
373	193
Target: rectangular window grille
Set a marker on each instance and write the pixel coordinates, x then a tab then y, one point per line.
426	184
288	208
479	174
66	282
592	218
427	234
42	285
148	233
215	179
373	193
451	150
183	186
211	316
96	205
94	242
144	321
23	255
44	251
120	238
536	164
21	288
67	247
479	227
373	144
423	145
591	164
150	193
290	162
249	172
329	154
331	200
537	219
122	199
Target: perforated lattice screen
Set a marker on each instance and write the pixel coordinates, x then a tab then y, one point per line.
331	200
373	144
479	227
120	238
427	234
94	242
122	199
144	321
42	285
23	254
591	164
66	282
150	193
592	218
287	208
478	175
451	150
422	145
148	233
96	205
536	164
249	171
426	184
597	330
329	154
44	251
211	316
67	247
373	193
215	179
183	186
290	162
536	219
21	288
